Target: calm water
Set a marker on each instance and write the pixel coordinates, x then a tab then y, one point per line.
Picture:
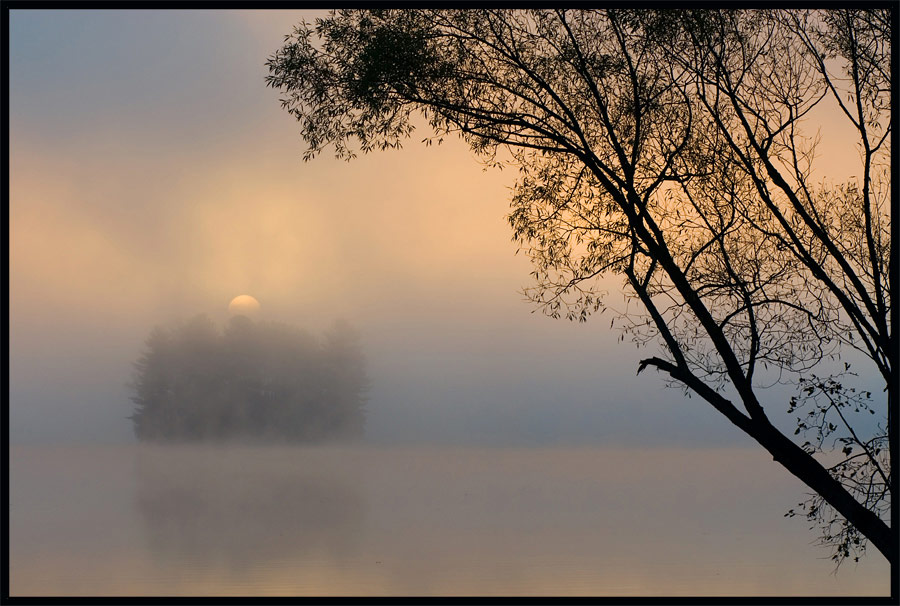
413	521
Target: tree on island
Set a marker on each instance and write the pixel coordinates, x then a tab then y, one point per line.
675	149
266	381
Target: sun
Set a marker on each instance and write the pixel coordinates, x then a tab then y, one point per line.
243	305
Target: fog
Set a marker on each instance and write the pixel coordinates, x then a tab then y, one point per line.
202	520
143	197
153	178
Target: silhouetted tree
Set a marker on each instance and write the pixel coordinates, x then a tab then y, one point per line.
153	386
670	148
254	380
345	372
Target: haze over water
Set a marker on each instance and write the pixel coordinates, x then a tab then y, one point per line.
357	520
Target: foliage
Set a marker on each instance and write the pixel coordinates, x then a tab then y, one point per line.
263	380
673	149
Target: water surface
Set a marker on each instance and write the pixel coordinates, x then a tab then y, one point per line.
365	520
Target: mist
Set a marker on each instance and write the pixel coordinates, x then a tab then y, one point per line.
153	178
144	199
326	520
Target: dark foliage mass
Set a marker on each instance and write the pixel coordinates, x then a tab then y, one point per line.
265	380
676	150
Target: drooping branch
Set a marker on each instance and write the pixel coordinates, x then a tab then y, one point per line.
663	146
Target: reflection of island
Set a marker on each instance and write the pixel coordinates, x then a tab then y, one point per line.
245	507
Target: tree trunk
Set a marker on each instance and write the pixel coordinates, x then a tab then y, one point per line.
810	471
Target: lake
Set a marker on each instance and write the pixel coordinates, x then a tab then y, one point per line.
414	520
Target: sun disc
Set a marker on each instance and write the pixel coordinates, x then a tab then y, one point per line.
243	305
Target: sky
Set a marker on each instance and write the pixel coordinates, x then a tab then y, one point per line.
154	176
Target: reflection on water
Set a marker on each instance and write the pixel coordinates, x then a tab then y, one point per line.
190	520
244	508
